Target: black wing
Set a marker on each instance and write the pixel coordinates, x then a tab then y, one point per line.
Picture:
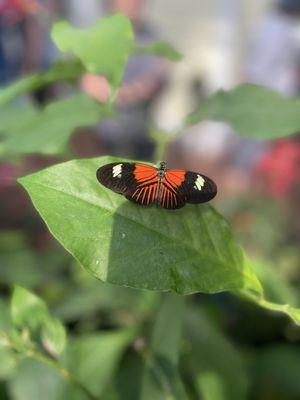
137	182
189	187
118	176
198	188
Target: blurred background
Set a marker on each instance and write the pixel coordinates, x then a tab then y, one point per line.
224	43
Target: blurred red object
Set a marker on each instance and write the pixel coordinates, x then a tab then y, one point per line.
15	10
279	168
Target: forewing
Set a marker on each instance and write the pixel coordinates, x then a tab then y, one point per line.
190	187
138	182
170	196
146	190
198	188
118	177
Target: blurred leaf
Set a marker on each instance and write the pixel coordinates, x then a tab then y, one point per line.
161	49
211	386
8	362
53	336
112	238
84	301
34	380
48	131
276	373
253	111
5	321
287	309
103	49
161	379
19	267
127	382
217	364
62	70
27	309
90	360
276	287
14	116
93	360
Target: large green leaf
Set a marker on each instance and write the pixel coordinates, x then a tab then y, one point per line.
48	131
63	70
161	379
186	250
103	49
253	111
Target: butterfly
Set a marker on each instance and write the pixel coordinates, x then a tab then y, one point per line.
147	185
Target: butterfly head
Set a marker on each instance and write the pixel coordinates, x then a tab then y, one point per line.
162	166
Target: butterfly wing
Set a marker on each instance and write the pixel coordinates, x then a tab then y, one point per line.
137	182
181	187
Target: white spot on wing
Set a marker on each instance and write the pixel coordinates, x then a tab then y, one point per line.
199	183
117	169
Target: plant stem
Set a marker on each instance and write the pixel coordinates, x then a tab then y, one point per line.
66	374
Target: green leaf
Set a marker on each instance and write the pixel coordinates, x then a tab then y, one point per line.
186	251
161	49
253	111
48	131
277	287
34	380
5	320
292	312
27	309
53	336
93	359
89	361
62	70
275	371
219	369
8	120
8	362
161	379
103	49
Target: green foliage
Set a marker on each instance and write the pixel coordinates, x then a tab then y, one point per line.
162	49
29	311
93	360
48	131
187	250
253	111
217	367
275	371
94	46
161	379
61	71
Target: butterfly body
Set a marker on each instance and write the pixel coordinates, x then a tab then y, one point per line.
146	185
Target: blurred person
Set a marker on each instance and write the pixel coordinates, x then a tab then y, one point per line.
275	55
144	78
25	44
